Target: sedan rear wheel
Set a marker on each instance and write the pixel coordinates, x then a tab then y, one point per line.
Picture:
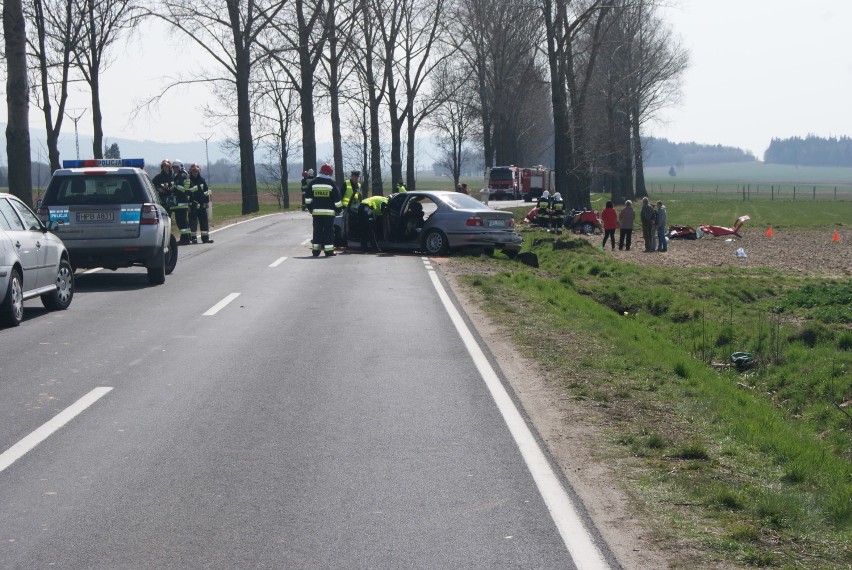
435	242
12	307
60	299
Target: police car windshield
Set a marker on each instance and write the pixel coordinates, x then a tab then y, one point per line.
93	189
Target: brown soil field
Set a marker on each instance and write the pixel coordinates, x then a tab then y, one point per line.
803	251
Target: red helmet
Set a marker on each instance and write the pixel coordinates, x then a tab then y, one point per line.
194	166
327	169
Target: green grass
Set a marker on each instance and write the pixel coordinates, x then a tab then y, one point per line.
765	453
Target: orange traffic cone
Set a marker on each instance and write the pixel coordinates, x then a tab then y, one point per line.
769	232
836	236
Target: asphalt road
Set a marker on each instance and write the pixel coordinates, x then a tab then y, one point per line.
267	409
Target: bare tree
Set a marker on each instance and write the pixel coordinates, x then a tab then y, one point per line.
276	113
17	101
657	64
570	70
423	30
229	32
454	119
56	23
103	23
374	83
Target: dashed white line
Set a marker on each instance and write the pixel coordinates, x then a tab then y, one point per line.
277	262
581	546
220	305
40	434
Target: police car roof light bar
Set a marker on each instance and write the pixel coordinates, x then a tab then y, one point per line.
89	162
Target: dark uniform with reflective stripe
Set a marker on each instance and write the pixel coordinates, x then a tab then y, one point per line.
199	201
323	200
181	205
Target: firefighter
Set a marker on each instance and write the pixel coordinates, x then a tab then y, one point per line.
351	201
323	201
400	187
163	183
307	176
181	200
199	202
370	221
557	212
352	189
542	214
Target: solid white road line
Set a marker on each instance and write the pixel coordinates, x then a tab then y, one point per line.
28	443
277	262
220	305
243	222
581	547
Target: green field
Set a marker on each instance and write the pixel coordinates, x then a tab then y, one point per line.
751	465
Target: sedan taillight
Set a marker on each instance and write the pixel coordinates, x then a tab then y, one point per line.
150	215
475	221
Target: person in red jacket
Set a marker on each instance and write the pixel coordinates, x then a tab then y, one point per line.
609	217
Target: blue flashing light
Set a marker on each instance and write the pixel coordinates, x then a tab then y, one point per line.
90	162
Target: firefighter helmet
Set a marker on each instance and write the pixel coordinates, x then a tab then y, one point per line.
194	166
177	163
327	169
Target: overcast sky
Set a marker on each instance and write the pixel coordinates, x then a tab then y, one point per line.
759	69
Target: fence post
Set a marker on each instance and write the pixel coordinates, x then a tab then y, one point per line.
772	196
794	193
814	193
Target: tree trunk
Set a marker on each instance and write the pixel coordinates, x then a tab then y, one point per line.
17	102
283	128
306	94
248	176
410	182
97	118
638	160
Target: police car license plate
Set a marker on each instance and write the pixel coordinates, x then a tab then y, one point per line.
108	216
496	223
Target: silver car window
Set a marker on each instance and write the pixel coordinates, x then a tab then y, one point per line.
30	220
10	220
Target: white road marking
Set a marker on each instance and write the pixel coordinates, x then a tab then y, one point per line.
579	542
307	241
40	434
277	262
243	222
220	305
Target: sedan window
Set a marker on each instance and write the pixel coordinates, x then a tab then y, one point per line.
30	220
8	218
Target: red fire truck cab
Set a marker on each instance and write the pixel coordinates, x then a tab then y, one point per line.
503	182
534	181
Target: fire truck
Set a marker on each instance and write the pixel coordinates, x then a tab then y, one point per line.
534	181
503	182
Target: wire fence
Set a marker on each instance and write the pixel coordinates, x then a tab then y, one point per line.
750	191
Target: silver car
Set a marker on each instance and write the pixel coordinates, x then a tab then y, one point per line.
33	262
110	216
434	222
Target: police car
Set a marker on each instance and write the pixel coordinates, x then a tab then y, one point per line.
109	215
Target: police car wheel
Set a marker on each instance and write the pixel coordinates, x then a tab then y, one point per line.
171	260
157	274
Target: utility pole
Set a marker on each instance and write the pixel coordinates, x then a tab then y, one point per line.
206	153
76	136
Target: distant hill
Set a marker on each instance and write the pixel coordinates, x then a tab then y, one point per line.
153	152
662	152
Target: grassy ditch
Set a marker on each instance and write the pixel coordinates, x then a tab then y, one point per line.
753	463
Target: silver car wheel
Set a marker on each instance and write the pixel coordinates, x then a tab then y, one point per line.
435	242
64	284
17	292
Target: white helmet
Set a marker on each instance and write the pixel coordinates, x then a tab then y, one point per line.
310	172
177	163
545	194
557	196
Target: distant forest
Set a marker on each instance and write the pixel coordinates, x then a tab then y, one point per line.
810	151
662	152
